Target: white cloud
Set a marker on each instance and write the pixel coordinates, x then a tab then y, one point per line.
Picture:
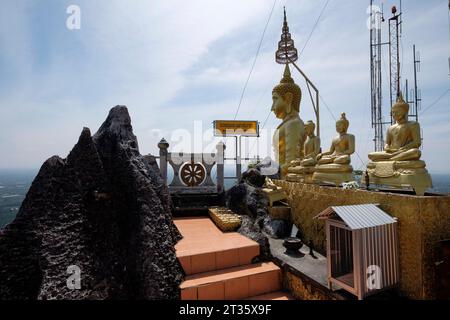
152	55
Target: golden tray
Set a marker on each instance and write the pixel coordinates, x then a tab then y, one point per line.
225	219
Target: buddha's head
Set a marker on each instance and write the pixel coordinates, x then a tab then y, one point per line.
309	128
342	124
286	96
400	109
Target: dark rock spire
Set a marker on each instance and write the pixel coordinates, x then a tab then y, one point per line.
103	209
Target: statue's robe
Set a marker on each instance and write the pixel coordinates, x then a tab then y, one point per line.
288	135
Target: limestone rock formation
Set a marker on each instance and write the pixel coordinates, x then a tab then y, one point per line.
251	202
254	178
103	209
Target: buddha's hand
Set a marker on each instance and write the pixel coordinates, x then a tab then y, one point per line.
319	156
390	150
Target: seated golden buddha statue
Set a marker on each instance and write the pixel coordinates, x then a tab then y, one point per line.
334	166
399	165
301	170
286	98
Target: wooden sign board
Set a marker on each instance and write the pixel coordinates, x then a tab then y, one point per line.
224	128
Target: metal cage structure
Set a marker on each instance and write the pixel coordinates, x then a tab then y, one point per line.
362	249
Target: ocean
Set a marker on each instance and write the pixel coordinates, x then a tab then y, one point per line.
14	185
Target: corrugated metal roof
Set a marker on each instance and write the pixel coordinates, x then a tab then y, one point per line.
359	216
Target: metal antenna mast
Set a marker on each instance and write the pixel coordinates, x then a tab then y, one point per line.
415	93
414	97
376	18
394	55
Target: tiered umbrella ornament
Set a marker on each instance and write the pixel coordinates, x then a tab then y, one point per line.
286	52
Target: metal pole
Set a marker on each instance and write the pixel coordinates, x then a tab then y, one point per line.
394	58
379	93
240	156
372	84
376	17
406	91
377	80
316	106
390	65
317	114
398	57
220	166
238	161
415	84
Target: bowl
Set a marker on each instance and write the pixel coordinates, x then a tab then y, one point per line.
292	244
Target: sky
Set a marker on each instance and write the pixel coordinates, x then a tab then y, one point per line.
180	65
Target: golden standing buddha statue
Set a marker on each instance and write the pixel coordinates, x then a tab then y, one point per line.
301	170
286	98
334	166
399	165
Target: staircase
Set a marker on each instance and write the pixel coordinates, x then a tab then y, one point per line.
219	266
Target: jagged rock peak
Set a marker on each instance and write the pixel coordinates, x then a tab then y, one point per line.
103	209
85	134
118	124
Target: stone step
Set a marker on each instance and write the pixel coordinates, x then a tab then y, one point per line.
277	295
205	248
232	283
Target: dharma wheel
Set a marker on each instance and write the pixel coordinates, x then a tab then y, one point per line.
192	174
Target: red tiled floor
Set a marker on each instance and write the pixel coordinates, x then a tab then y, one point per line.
235	283
202	262
218	264
212	291
209	248
236	288
189	294
227	258
246	254
261	283
186	264
203	233
230	273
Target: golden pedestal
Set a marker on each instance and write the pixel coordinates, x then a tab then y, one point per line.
333	174
274	195
300	174
305	178
400	174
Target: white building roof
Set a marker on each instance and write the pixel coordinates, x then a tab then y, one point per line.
359	216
